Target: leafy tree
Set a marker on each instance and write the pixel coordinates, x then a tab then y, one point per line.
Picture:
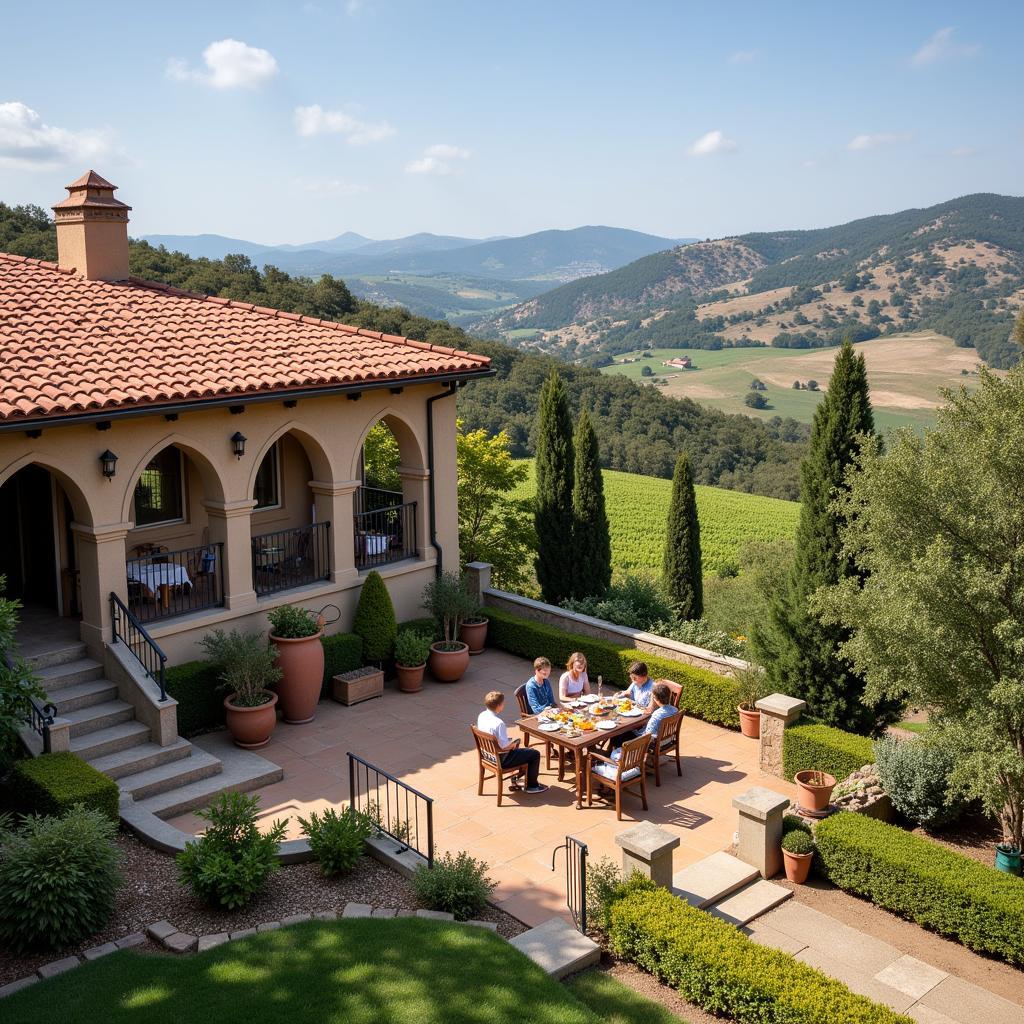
755	400
493	527
646	371
796	385
381	458
812	385
681	565
592	545
1018	329
935	610
801	654
17	684
553	510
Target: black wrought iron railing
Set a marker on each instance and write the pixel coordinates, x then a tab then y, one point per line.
386	535
130	631
163	584
575	879
370	499
40	718
400	812
291	558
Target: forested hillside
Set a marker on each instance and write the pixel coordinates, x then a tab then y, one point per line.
640	430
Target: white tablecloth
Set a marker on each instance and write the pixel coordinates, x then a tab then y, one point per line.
156	573
376	544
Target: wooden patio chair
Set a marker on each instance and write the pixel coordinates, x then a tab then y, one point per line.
675	689
666	745
490	761
629	770
525	711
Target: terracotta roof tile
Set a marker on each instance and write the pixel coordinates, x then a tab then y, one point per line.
71	345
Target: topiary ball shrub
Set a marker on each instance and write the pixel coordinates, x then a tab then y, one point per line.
375	619
228	864
915	774
797	841
58	879
455	884
337	840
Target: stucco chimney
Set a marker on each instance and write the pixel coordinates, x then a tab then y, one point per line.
92	230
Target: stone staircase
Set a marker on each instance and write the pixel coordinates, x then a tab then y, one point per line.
726	887
163	780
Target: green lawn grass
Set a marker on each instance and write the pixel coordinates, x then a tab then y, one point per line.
406	971
914	726
616	1003
638	508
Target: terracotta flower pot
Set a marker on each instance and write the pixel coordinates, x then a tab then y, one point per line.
475	635
448	666
798	866
410	677
814	796
251	727
750	722
302	662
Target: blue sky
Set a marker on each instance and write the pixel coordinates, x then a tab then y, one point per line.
289	121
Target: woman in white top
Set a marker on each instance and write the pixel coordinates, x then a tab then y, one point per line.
574	681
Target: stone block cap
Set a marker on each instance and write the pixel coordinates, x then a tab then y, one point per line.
646	840
760	803
787	708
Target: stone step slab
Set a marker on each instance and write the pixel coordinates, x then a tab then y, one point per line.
82	695
99	716
557	948
140	758
711	879
751	901
61	654
171	775
110	740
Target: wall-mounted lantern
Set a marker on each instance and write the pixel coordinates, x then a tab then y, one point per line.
108	460
238	440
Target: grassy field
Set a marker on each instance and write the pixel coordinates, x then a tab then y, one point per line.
638	507
905	373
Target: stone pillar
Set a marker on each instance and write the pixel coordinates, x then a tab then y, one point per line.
648	849
334	504
478	579
777	711
760	829
101	562
415	487
60	736
231	525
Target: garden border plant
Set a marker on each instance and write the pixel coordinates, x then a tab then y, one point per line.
815	747
54	783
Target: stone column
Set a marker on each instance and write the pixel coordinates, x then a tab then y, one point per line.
478	579
777	711
101	561
334	504
231	525
648	849
760	829
415	487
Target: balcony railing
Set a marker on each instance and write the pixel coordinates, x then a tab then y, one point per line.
370	499
386	534
163	584
290	558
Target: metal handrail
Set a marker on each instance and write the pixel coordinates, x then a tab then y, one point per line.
40	717
404	831
575	879
286	559
152	659
385	535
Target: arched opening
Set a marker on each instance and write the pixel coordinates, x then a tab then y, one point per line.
173	564
290	539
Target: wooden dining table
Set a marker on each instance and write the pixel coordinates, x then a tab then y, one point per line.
581	745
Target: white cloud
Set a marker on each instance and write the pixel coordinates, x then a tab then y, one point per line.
230	64
868	141
742	56
26	141
331	186
314	120
712	142
942	46
439	159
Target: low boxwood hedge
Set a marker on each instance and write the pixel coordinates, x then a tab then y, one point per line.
52	784
343	652
706	695
824	748
930	884
717	967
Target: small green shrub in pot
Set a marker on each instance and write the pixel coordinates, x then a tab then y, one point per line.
457	884
290	622
797	841
791	822
337	840
916	774
411	648
375	620
449	601
246	664
228	864
58	879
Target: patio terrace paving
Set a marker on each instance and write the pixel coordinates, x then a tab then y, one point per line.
424	739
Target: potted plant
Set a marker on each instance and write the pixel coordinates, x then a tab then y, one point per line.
815	789
411	652
750	688
473	629
1008	858
248	668
797	854
448	600
296	633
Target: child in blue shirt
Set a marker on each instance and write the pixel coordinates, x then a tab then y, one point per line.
538	689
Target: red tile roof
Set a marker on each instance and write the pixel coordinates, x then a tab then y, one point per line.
71	346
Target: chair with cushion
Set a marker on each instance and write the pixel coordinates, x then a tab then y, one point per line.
666	745
525	711
490	761
674	688
628	770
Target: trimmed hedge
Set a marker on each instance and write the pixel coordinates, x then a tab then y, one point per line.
52	784
343	652
706	695
930	884
824	748
717	967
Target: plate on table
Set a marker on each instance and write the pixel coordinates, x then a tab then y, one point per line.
590	698
549	727
635	713
578	704
606	726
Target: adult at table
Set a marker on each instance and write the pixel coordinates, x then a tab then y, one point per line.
511	754
640	685
661	697
538	688
574	681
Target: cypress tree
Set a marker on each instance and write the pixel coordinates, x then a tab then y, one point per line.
553	514
374	619
799	653
681	565
592	544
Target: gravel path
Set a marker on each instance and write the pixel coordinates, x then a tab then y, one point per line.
151	892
